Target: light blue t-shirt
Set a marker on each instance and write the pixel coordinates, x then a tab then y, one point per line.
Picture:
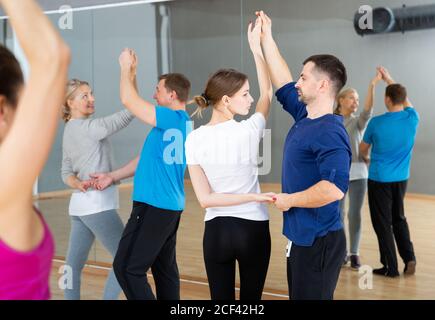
159	177
392	138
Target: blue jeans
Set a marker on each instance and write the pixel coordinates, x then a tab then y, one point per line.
107	227
356	192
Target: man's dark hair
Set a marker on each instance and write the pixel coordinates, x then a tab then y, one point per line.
397	93
177	82
333	67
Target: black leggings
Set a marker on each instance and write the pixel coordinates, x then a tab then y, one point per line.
227	239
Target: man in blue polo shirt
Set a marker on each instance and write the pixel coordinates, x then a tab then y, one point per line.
149	238
391	136
315	172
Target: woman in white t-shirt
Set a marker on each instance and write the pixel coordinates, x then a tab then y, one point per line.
222	162
86	149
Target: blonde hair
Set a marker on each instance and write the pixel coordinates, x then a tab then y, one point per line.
71	88
343	93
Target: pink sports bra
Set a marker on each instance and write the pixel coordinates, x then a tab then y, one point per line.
25	275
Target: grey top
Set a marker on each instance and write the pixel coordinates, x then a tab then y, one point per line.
355	126
86	148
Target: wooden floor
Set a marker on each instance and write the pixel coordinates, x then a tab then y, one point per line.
419	210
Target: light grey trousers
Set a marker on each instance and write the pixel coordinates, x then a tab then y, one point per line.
356	192
107	227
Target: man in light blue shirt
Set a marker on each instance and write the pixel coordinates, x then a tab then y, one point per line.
149	238
391	137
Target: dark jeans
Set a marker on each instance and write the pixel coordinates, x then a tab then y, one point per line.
230	239
388	219
149	241
312	272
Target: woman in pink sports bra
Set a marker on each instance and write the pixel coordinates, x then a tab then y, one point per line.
29	115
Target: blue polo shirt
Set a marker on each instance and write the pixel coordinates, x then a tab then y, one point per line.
392	138
314	150
159	177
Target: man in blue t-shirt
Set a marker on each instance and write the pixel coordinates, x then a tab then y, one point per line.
391	136
149	238
315	170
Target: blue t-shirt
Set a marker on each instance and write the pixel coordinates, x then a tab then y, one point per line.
159	177
314	150
392	138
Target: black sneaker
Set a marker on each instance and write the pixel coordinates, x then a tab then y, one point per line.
385	272
380	271
355	263
410	267
392	274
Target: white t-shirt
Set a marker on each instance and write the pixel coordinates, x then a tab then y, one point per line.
94	201
228	154
358	170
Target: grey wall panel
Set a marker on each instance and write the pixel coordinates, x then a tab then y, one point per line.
205	37
80	42
114	30
96	41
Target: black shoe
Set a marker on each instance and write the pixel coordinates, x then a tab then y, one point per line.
380	271
410	267
392	274
385	272
355	263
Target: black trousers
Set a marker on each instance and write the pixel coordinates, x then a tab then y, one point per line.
388	218
227	240
312	272
148	241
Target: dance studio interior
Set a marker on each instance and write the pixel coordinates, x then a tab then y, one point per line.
197	37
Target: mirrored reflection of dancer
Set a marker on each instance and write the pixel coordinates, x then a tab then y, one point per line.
86	149
391	137
347	105
149	238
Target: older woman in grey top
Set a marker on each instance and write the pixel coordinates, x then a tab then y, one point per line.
86	149
347	105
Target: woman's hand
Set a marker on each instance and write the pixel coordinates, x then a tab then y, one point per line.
378	76
84	185
254	35
128	60
265	197
266	25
